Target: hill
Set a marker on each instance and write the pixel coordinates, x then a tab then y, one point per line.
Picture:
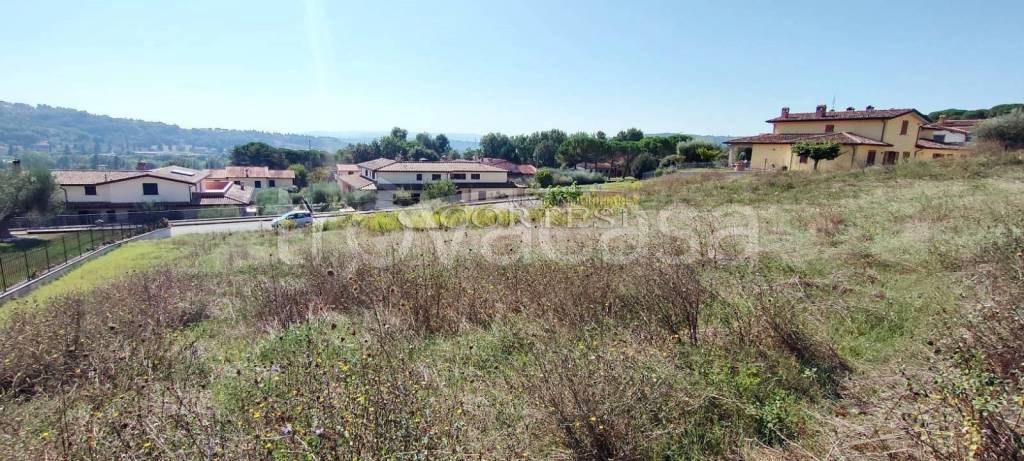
785	315
58	129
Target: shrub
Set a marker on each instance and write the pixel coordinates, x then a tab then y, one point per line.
643	163
360	199
323	192
207	213
544	178
558	196
403	198
1006	130
439	189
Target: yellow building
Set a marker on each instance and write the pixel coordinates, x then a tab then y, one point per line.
867	137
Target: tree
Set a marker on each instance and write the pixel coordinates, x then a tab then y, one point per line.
426	141
301	176
544	153
1006	130
544	178
709	154
817	151
643	163
439	189
418	152
497	145
691	151
631	134
392	147
581	147
400	134
22	192
601	135
441	144
258	154
657	146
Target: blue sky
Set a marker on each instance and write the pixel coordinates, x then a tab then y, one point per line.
714	67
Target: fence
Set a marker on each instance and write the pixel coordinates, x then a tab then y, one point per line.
17	266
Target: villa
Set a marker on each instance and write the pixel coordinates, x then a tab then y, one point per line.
473	180
867	137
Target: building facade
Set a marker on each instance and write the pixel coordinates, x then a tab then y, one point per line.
473	181
866	137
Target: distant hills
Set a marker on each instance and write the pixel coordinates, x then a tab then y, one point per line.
59	129
43	128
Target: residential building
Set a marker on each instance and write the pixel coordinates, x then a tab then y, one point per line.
255	177
345	169
866	137
516	172
473	180
92	191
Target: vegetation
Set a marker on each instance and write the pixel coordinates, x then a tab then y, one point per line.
439	189
643	163
396	146
544	178
277	158
75	131
1005	130
877	317
817	151
962	114
23	192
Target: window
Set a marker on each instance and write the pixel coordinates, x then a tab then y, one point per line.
259	184
481	195
939	138
458	175
803	159
936	155
150	188
419	176
871	157
904	128
474	176
90	190
238	183
271	183
435	177
830	128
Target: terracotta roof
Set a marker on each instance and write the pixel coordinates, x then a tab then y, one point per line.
375	164
446	167
94	177
935	126
511	167
929	144
346	167
251	172
843	137
846	115
234	196
356	182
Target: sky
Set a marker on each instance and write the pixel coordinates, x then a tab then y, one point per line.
475	66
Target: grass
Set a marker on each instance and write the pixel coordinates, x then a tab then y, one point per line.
44	251
466	339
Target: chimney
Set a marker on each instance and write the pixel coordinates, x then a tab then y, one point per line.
850	108
820	110
16	166
869	108
141	166
785	113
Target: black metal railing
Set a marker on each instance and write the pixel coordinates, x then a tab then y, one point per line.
30	258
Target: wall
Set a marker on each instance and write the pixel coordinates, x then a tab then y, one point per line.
130	191
404	177
765	155
902	143
869	128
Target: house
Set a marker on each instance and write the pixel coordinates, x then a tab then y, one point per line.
473	180
91	191
345	169
255	177
866	137
516	172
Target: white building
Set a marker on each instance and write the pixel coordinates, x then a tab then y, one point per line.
473	180
91	191
255	177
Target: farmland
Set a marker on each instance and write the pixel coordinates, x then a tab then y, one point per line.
858	315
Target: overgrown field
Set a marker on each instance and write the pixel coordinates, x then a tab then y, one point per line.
862	315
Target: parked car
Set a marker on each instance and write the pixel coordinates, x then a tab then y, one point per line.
298	218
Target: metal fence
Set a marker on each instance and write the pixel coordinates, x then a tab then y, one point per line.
18	266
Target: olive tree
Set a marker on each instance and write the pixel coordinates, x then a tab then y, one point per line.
1006	130
22	192
817	151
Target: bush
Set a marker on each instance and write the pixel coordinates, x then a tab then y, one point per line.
439	189
544	178
323	192
360	199
643	163
403	198
209	213
1006	130
566	177
558	196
